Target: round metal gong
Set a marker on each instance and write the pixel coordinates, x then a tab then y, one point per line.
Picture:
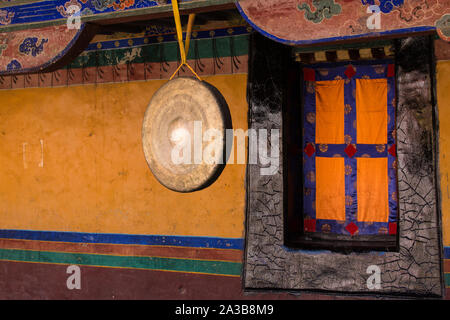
170	132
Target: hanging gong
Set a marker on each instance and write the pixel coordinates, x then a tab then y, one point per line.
176	134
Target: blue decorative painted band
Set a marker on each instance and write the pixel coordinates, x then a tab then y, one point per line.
307	42
52	10
446	252
115	238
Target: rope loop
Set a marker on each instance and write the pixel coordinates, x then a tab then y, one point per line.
184	50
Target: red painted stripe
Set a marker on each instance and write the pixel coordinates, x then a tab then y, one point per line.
447	266
125	250
20	280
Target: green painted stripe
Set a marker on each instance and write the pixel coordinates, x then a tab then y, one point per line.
159	52
447	279
150	263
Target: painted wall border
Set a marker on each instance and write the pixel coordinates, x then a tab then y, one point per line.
116	238
133	13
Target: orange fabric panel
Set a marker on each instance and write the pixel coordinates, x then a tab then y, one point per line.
372	189
330	112
371	111
330	188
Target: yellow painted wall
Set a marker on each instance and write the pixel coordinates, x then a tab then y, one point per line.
94	177
443	100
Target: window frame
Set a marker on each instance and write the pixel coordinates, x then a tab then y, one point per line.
413	271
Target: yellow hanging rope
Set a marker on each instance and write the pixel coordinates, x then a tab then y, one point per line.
183	50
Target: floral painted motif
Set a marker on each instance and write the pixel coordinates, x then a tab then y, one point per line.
3	44
14	65
350	20
6	17
347	109
3	47
443	27
419	11
379	69
323	147
311	117
32	55
30	46
92	7
101	5
386	6
380	148
325	9
63	10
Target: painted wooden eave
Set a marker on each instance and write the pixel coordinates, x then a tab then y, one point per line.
306	23
35	37
41	49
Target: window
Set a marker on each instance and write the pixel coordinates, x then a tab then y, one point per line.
347	182
278	250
